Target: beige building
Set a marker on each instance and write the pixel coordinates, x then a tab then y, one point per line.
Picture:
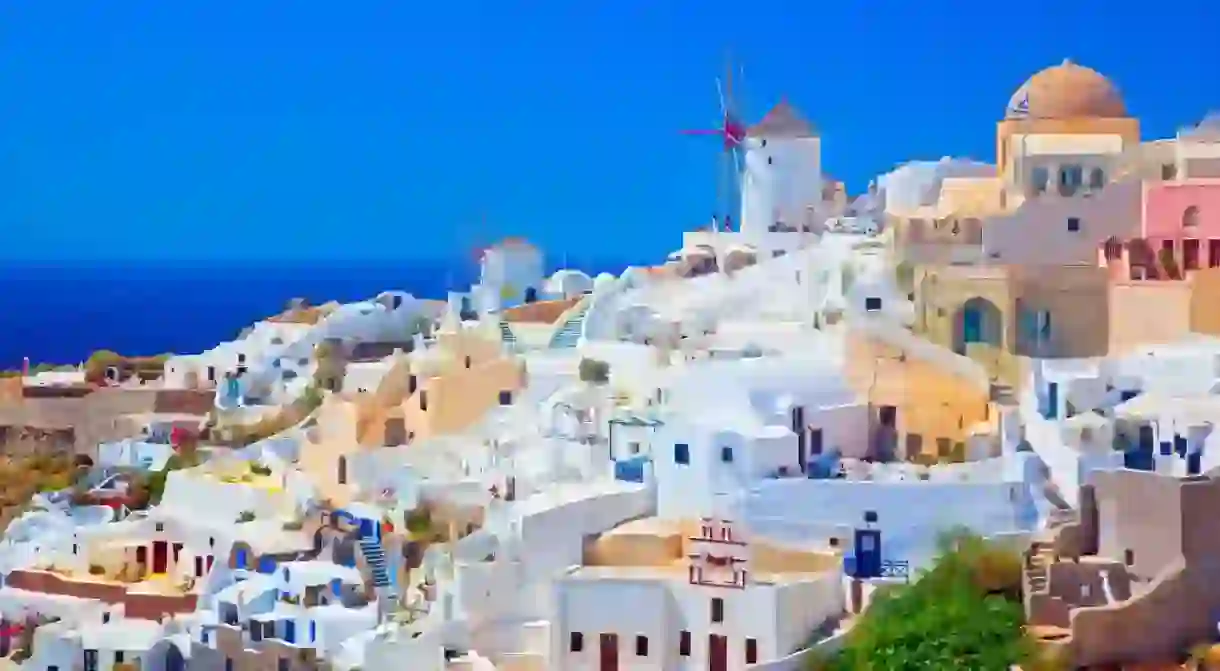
442	389
925	400
1135	578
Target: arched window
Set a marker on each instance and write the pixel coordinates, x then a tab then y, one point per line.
1039	179
342	470
1097	178
1113	249
1190	217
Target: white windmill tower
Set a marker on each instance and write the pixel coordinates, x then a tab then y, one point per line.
782	177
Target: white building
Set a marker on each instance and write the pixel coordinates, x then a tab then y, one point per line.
712	611
513	269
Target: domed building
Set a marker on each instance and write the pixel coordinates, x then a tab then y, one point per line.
1064	110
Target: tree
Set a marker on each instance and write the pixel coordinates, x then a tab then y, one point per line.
594	371
963	613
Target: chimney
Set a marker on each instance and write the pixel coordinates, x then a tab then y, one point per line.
25	366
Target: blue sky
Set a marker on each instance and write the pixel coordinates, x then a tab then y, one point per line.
224	129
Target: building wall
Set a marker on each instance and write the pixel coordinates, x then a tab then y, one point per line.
139	605
784	178
250	656
1165	203
911	514
1127	129
1204	299
333	438
1039	232
1161	528
1146	313
933	402
1075	297
779	617
456	395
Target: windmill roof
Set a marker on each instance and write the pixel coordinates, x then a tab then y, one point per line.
782	121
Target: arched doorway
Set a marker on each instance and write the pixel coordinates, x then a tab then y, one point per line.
531	294
977	321
174	661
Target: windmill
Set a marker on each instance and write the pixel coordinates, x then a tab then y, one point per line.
732	133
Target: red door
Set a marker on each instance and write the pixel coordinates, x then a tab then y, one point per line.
609	652
717	653
160	557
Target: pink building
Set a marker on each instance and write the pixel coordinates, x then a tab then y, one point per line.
1179	232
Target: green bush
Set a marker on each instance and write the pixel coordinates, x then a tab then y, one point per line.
963	613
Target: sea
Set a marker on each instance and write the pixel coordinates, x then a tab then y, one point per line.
61	312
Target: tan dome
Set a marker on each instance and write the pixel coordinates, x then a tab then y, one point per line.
1066	91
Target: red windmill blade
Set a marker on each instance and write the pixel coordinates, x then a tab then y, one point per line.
731	130
732	133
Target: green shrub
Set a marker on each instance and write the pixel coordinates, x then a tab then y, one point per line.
963	613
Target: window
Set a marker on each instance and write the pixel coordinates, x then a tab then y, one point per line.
468	362
751	651
1097	178
118	656
1086	591
633	448
506	398
1190	254
1071	178
726	454
768	160
282	664
211	373
160	526
91	660
1190	217
1169	171
1129	557
872	304
681	453
228	664
684	644
576	641
1113	249
1213	253
763	144
717	610
1073	224
241	358
1039	178
412	384
641	646
423	401
342	470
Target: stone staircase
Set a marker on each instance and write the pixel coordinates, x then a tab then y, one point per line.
568	335
1037	567
506	334
375	556
1002	394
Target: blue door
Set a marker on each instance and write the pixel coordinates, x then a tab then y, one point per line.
1194	463
290	631
1052	400
266	565
972	325
368	528
868	553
